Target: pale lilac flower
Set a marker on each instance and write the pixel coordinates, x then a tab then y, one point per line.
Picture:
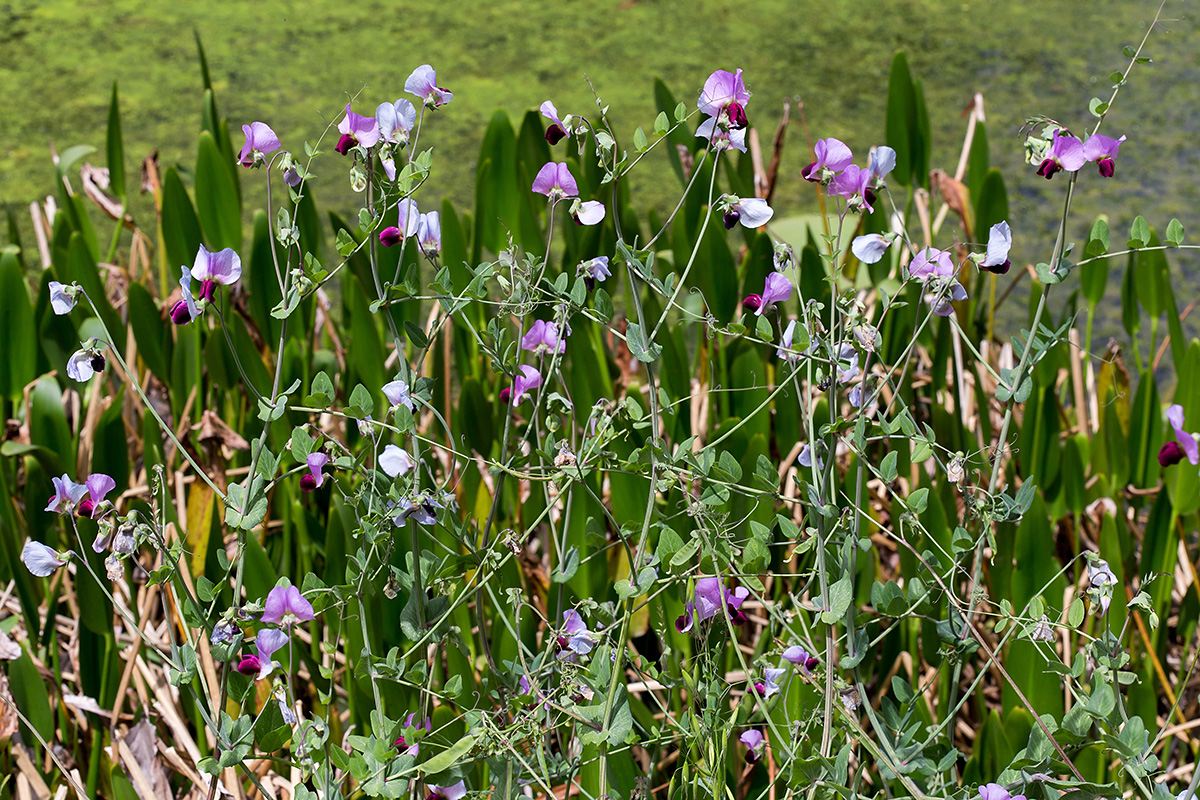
936	269
725	92
397	394
807	458
1065	153
415	748
223	267
767	686
41	560
423	83
396	121
593	271
577	639
869	248
587	212
999	243
409	224
268	642
557	130
356	130
1185	444
286	606
86	362
456	792
1103	151
776	289
1101	579
856	395
753	739
421	508
186	309
833	156
544	337
261	141
881	164
316	478
98	486
784	350
395	461
854	184
62	297
429	233
555	181
751	212
720	137
994	791
70	496
847	363
528	380
800	657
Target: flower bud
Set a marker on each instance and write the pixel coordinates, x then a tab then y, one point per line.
345	143
730	219
308	483
1048	167
555	134
737	116
506	395
752	302
389	237
208	290
1170	454
1107	167
249	665
180	314
97	362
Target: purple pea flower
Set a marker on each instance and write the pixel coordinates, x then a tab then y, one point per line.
932	266
767	686
994	791
409	224
249	664
799	656
83	497
869	248
356	130
711	598
847	363
395	461
316	478
185	310
41	560
544	337
751	212
776	289
555	181
397	394
423	83
456	792
753	739
999	243
62	297
1065	153
396	121
268	642
1185	444
576	640
415	748
86	362
429	234
1103	151
721	137
833	156
421	508
286	606
593	271
223	267
808	458
557	130
854	183
725	92
528	380
261	141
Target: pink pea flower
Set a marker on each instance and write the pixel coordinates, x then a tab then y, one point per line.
1065	153
833	156
456	792
725	93
936	269
555	181
286	606
994	791
83	497
576	640
356	130
1103	151
261	141
316	478
557	130
415	748
776	289
528	380
710	599
41	560
544	337
1185	444
423	83
855	184
753	739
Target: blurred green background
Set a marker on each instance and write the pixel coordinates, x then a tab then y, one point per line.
294	64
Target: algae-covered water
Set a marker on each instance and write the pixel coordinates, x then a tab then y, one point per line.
294	63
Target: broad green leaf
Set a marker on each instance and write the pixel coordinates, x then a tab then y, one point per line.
217	196
115	148
19	365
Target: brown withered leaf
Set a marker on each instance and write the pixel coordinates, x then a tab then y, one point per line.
955	194
213	429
